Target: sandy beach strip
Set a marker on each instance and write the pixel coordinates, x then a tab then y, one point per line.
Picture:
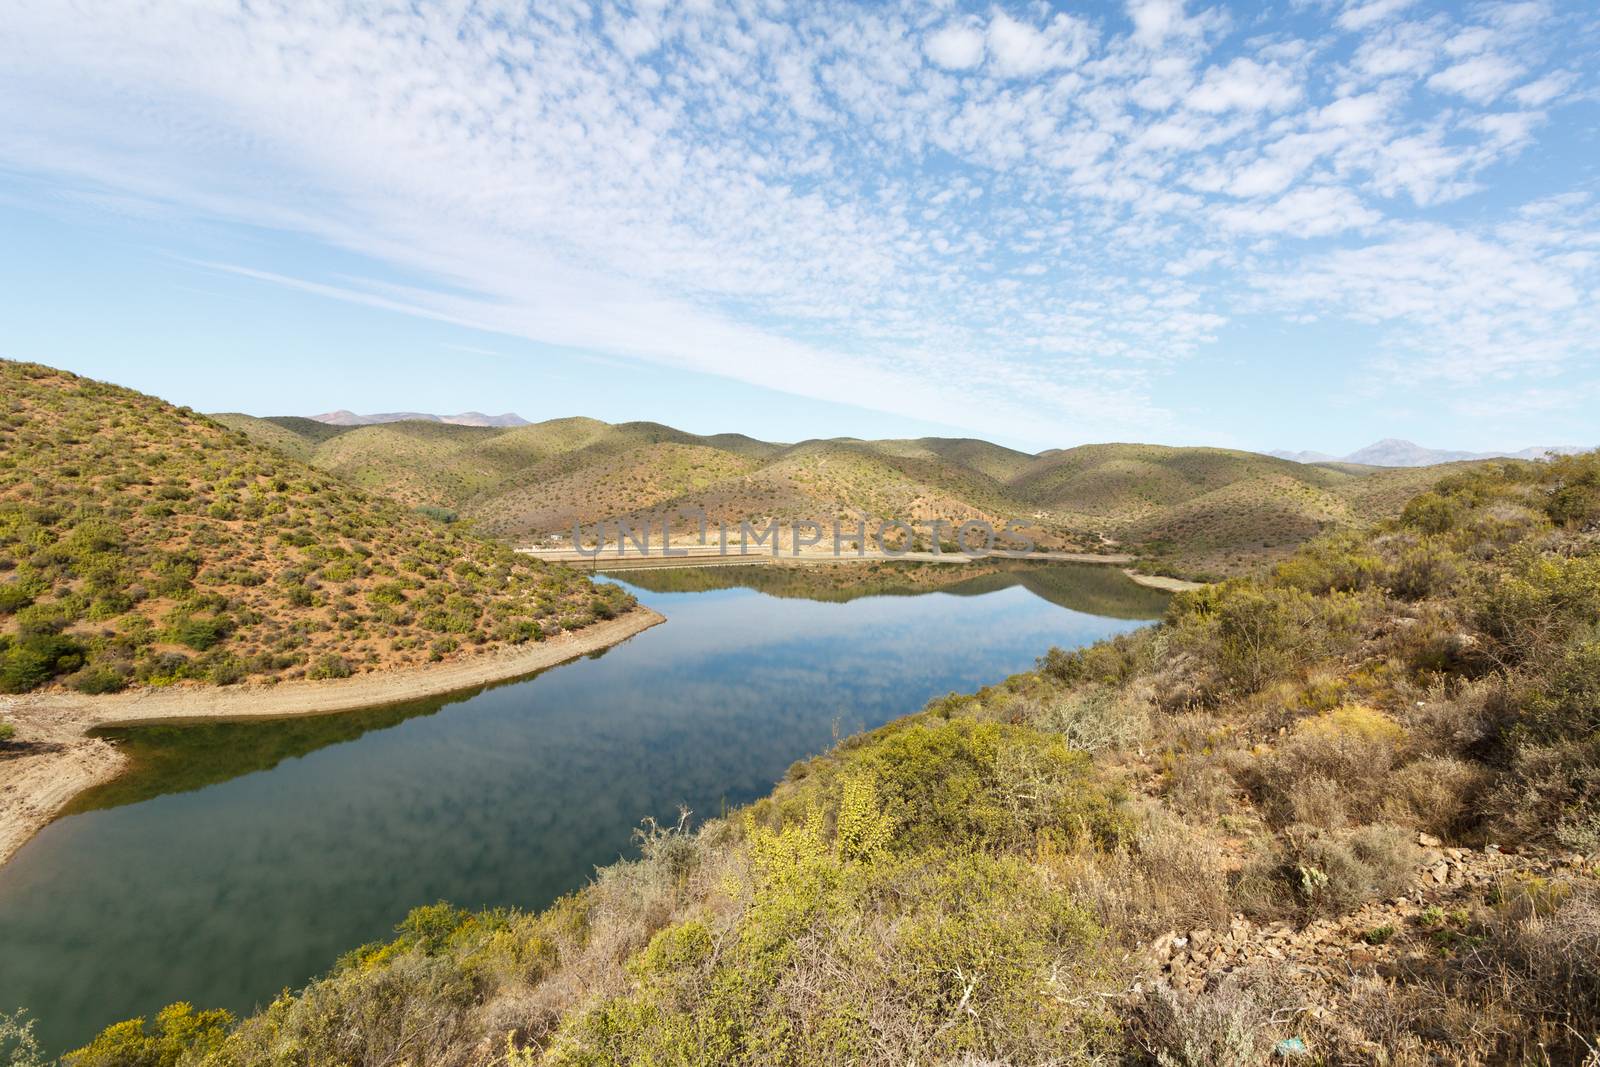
1158	581
51	759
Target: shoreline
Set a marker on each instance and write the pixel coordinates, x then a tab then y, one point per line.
63	760
1158	581
616	558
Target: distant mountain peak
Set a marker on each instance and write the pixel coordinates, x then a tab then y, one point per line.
1398	452
466	418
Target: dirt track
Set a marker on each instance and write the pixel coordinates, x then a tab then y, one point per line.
52	760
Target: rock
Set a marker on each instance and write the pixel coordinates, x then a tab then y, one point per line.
1440	873
1427	841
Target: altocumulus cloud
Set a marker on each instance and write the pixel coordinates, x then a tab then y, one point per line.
1001	216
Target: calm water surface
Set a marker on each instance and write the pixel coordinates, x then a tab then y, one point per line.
238	859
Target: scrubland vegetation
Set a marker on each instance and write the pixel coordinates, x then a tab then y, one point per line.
1190	512
982	882
146	545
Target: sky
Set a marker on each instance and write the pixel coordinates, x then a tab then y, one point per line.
1304	225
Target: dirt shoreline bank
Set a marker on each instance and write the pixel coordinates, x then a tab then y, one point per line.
58	761
1157	581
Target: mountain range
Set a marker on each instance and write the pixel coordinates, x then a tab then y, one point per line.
1198	511
466	418
1394	452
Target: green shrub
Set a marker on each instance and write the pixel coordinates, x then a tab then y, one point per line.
1538	604
387	593
225	670
1249	635
7	731
14	596
1109	662
180	1033
32	660
986	784
329	666
1340	563
1431	513
196	632
1575	498
95	679
1422	571
1567	705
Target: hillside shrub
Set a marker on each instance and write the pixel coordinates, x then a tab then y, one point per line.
1092	718
1229	1026
179	1031
1537	605
986	784
1431	513
197	632
29	661
96	679
1249	635
1567	705
1316	871
1335	763
14	596
1424	570
1341	563
329	666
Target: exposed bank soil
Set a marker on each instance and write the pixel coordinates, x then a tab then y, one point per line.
52	759
1157	581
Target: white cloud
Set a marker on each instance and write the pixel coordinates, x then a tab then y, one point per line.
1409	50
1018	49
1264	177
1543	90
1360	16
1461	307
1354	111
812	202
1310	212
955	47
1245	85
1479	79
1154	21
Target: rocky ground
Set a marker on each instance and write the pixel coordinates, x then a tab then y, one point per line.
1327	963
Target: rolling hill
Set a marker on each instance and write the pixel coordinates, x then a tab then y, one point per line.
145	544
1192	511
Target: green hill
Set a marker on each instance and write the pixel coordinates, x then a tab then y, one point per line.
1192	511
144	544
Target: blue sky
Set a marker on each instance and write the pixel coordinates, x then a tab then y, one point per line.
1305	225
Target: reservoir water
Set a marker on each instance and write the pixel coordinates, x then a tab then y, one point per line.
236	860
